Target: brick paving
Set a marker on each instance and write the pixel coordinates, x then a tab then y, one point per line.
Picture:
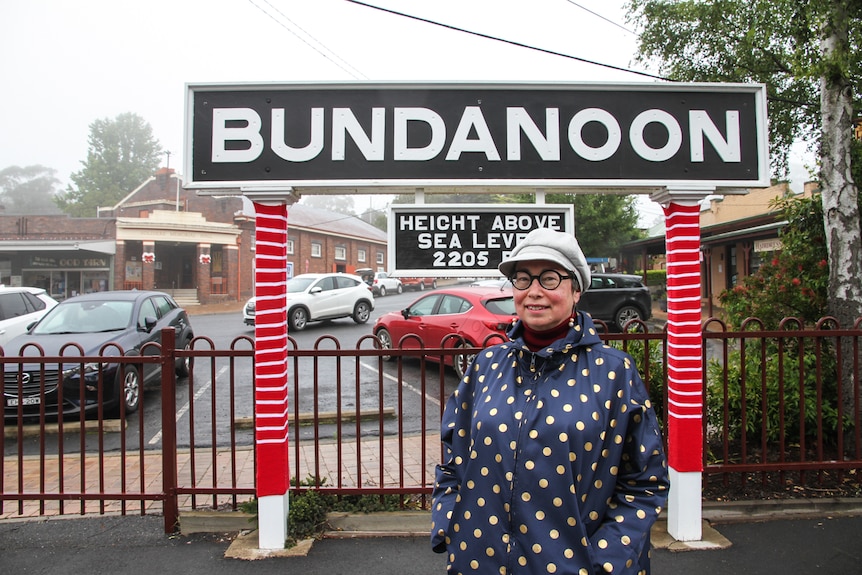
133	482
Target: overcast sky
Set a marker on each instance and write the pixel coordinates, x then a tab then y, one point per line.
66	64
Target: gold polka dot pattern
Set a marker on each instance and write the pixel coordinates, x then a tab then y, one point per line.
554	462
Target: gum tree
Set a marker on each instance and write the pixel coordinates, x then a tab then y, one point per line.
809	54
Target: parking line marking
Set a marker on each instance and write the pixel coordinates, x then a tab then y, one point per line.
182	411
406	385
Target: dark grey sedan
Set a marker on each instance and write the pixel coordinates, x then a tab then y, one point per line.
109	323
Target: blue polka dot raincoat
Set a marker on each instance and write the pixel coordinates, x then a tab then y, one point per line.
554	462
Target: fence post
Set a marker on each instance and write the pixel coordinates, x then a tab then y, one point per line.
169	429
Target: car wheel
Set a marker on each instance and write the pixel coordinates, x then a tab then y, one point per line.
183	363
461	362
385	339
421	285
400	288
382	291
434	284
298	319
129	392
361	312
625	314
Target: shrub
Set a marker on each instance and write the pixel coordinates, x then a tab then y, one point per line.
655	380
777	375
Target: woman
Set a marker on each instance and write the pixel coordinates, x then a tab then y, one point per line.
554	460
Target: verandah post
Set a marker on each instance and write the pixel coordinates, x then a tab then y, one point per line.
685	362
270	369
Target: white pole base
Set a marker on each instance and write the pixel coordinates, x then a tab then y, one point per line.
272	521
685	506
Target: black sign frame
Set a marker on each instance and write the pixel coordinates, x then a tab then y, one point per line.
346	135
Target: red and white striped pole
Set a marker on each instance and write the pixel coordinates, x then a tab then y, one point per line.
685	370
270	370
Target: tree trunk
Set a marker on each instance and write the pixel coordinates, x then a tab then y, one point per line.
838	191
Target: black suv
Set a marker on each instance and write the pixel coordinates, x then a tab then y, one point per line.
617	299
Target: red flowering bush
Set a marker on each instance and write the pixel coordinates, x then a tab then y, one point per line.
794	283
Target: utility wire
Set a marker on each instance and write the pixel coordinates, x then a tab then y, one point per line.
356	74
597	15
510	42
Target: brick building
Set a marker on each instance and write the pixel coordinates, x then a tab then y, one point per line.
161	236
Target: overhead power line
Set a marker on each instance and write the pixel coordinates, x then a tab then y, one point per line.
597	15
342	63
510	42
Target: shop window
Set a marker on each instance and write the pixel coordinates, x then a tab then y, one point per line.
5	271
732	273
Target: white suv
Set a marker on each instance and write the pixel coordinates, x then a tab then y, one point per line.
20	307
316	297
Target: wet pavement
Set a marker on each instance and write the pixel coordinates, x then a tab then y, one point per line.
135	544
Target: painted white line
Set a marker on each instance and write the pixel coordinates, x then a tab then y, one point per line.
184	409
406	385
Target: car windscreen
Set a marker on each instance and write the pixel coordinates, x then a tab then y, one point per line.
86	317
298	285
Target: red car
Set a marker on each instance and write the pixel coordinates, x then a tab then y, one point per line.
419	284
479	315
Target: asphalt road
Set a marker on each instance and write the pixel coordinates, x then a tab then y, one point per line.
207	396
132	545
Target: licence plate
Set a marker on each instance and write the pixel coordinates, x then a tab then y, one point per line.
13	401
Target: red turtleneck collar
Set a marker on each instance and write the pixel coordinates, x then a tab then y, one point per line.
537	340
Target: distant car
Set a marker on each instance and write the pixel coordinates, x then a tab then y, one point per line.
419	284
381	283
617	299
129	319
480	316
318	297
501	283
19	308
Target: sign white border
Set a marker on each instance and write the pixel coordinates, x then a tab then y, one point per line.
383	185
567	211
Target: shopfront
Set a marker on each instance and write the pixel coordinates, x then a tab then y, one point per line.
65	276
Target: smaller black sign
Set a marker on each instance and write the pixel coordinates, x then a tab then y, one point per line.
450	240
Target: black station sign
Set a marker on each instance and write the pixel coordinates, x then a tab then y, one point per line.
364	135
437	240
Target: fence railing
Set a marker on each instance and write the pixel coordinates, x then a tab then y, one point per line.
781	408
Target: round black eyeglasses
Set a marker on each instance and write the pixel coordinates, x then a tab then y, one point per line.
548	279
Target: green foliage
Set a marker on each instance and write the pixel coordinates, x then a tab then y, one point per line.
771	41
122	155
655	380
794	283
777	375
306	516
307	511
29	190
655	277
603	222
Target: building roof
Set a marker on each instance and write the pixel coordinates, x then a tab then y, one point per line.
324	221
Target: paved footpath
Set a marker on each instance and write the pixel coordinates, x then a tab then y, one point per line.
132	545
